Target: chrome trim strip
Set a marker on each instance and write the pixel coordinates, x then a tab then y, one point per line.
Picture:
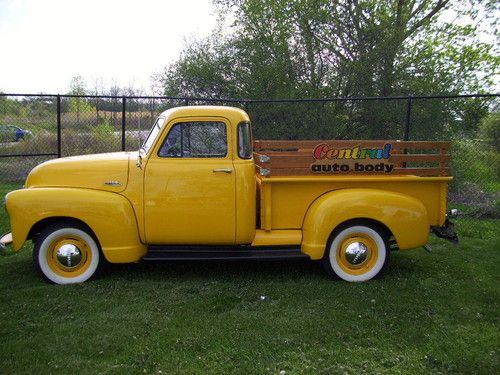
112	183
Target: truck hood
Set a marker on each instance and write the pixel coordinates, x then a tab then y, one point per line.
100	171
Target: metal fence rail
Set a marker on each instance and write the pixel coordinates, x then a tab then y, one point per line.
51	126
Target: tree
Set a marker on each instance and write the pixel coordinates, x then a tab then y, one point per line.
78	104
98	90
114	91
323	48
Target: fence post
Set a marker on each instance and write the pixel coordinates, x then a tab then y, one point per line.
58	101
186	102
124	101
406	135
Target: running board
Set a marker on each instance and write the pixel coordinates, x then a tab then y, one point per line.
185	253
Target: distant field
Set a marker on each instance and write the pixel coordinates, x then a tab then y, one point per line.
430	313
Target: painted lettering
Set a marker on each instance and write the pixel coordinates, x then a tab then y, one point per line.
323	151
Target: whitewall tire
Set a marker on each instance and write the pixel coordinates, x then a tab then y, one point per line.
67	254
356	253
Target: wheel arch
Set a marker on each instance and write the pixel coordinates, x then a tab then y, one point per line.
393	212
49	221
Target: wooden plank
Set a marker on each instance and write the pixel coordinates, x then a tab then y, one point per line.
309	153
288	164
280	166
443	151
422	171
419	158
280	162
396	171
300	158
308	158
311	144
286	153
292	172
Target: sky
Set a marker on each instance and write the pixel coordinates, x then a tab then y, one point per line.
45	43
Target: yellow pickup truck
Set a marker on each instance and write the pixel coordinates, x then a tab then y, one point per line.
201	188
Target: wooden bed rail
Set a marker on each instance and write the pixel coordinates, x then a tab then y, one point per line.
355	157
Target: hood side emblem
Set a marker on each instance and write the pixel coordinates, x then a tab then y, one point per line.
112	183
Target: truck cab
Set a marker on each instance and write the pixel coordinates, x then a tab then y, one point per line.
199	173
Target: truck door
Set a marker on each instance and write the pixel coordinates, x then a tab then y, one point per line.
189	185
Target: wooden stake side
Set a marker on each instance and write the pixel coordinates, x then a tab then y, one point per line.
295	158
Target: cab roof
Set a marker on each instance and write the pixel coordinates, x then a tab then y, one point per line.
235	115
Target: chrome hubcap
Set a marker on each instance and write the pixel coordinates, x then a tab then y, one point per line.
69	255
356	253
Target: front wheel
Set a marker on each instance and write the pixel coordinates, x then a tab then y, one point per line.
357	253
66	254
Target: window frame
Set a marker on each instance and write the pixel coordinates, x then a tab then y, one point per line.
155	139
240	125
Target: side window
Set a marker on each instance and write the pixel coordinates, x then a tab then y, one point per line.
204	139
244	141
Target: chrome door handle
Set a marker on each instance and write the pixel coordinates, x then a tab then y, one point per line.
223	170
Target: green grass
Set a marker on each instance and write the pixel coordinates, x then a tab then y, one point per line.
430	313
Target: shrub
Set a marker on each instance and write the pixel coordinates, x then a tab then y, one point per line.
104	130
489	130
474	162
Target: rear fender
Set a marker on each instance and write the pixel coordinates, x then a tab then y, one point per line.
109	215
404	216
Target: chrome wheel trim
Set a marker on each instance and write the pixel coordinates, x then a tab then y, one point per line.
356	253
69	256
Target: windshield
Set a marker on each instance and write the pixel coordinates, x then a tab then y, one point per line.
152	134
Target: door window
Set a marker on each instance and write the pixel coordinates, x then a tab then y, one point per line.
202	139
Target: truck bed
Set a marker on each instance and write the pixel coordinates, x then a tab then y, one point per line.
287	184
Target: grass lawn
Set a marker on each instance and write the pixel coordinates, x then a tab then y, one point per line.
430	313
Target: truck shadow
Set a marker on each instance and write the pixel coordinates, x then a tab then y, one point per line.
400	266
155	270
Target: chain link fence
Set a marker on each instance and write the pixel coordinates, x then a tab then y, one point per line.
41	127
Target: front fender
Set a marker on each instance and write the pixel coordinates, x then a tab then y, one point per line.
109	215
405	216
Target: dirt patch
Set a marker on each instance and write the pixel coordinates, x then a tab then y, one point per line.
480	203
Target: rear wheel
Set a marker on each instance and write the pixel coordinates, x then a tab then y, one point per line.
357	253
66	253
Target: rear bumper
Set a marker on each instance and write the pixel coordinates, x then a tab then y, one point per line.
5	241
